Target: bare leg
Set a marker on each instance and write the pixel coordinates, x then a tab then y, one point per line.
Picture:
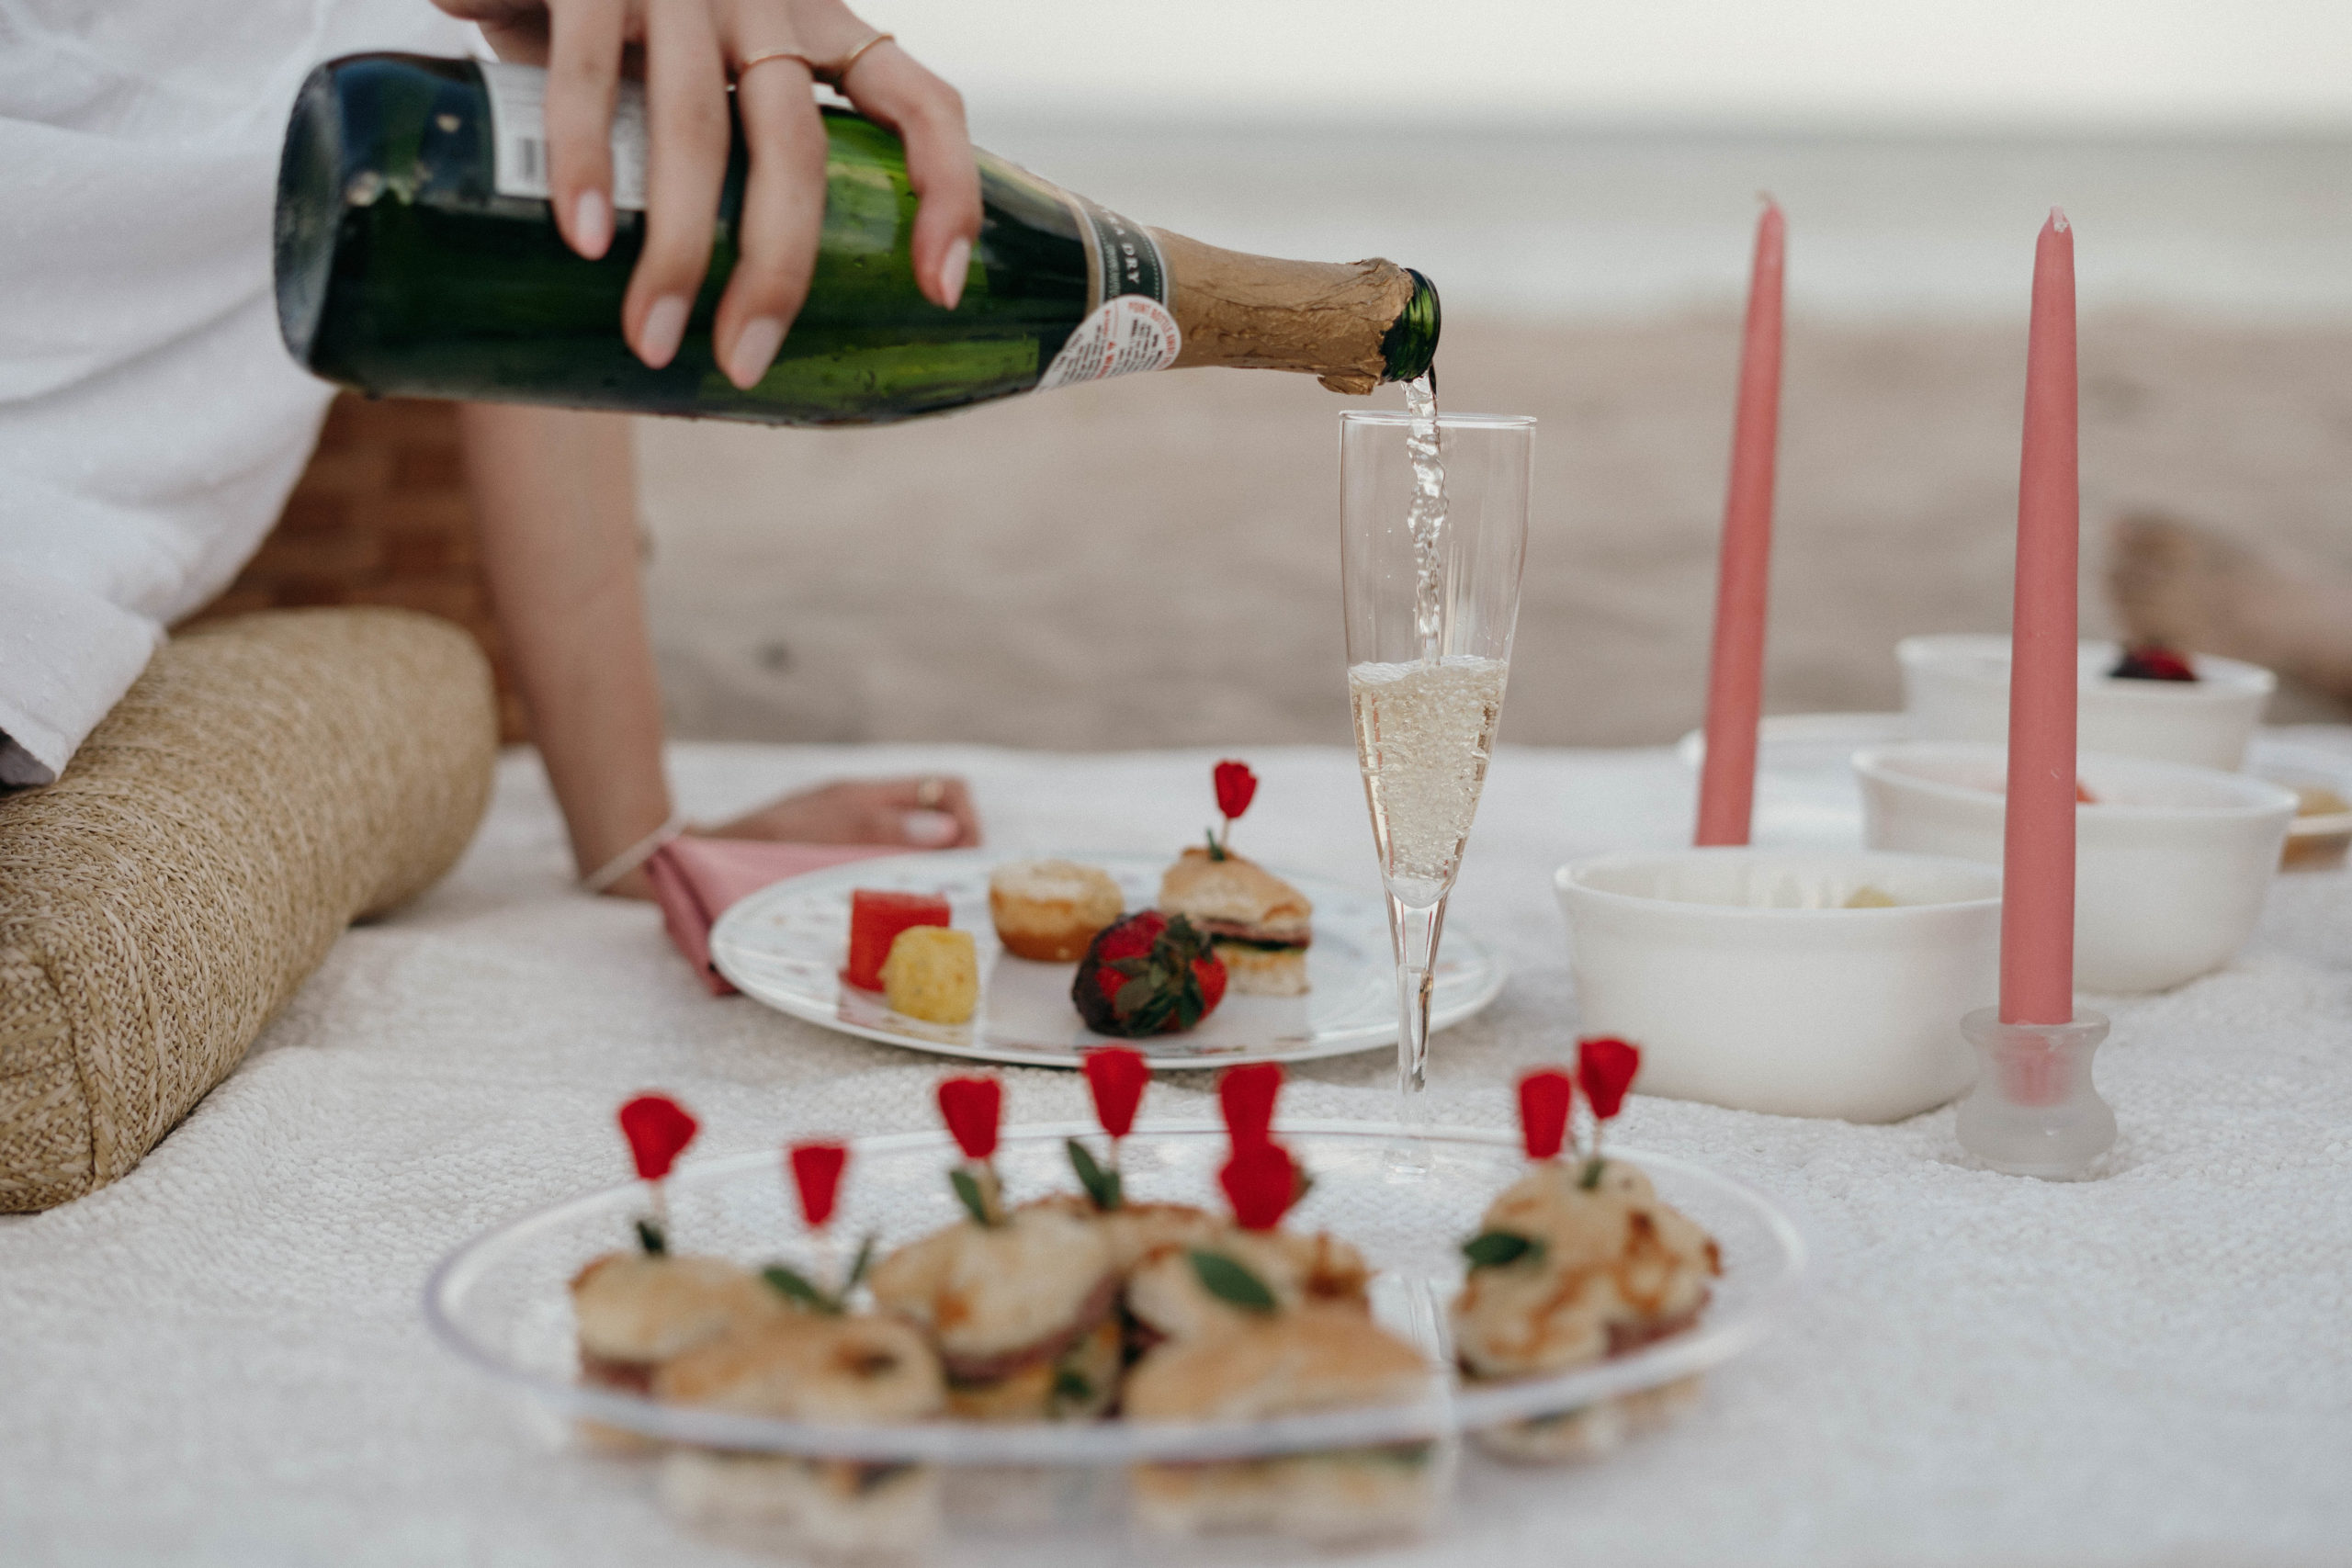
2190	589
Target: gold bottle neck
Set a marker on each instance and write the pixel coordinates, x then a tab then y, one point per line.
1328	319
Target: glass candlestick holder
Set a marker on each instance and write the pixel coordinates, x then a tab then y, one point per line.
2034	1111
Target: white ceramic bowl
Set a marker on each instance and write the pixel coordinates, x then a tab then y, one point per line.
1747	983
2171	862
1805	794
2319	838
1957	688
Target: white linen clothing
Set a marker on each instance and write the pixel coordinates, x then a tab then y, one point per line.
150	421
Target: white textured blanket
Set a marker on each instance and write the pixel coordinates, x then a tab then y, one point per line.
221	1359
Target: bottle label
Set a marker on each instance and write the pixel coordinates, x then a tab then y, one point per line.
1131	333
518	133
1128	328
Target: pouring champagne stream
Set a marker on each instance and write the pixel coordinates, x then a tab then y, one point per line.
1434	534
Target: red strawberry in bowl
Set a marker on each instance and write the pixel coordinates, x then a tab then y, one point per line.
1148	974
2153	661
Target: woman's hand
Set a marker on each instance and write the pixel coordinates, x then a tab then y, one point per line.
687	50
932	812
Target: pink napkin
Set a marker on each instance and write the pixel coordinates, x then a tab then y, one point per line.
696	879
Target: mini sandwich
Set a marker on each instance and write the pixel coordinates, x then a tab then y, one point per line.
1592	1431
808	1367
1138	1232
1167	1301
1590	1272
1259	924
1021	1311
1286	1363
636	1310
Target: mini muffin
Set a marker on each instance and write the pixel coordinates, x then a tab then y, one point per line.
933	974
636	1311
1050	910
1021	1311
1276	1364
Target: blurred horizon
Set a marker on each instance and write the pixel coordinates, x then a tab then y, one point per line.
1611	223
1846	66
1571	161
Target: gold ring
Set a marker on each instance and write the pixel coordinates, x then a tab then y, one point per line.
833	75
767	55
931	792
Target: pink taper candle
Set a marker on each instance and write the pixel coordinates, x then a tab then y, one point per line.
1736	673
2037	861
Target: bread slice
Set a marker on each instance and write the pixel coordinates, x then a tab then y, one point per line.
1254	971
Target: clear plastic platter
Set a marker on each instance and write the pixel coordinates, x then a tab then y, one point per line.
501	1301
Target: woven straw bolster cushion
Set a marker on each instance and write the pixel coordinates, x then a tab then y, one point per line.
267	781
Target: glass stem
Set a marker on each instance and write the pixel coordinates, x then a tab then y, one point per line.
1415	931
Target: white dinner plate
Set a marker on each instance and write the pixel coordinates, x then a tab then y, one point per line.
785	945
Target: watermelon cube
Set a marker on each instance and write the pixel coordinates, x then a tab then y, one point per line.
875	921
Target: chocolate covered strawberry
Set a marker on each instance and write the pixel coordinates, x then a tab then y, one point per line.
1148	974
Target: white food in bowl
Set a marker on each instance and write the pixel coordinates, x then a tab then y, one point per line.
2172	861
1957	688
1747	981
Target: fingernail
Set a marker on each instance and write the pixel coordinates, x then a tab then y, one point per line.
930	829
952	271
755	348
664	328
591	224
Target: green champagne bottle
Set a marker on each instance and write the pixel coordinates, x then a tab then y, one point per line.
418	255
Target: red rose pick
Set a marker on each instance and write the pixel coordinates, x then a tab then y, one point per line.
816	1172
1117	1075
1262	1182
1545	1096
657	1129
1246	1095
1236	786
972	1106
1606	1067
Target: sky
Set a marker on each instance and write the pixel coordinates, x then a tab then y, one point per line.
1996	64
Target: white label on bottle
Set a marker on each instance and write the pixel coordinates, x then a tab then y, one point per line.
518	131
1130	334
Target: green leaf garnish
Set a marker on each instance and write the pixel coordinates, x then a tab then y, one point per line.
795	1287
1493	1249
650	1237
1103	1185
1590	1179
1217	851
1230	1281
857	1267
976	1202
1072	1386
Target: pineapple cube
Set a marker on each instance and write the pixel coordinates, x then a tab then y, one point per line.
933	974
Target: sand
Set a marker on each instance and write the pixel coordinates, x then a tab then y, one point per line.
1154	561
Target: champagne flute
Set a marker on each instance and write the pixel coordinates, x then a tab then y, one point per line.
1433	534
